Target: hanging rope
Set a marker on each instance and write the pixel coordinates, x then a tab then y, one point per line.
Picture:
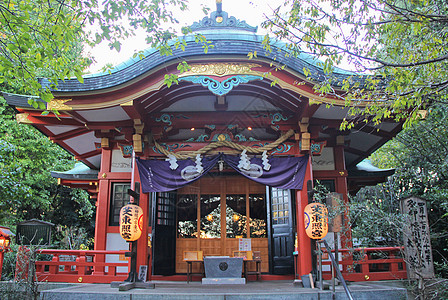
228	144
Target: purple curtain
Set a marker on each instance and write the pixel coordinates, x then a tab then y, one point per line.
156	175
285	172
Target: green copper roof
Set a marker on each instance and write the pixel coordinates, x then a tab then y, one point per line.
80	171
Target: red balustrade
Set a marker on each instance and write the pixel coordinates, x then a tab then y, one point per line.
90	266
362	264
87	266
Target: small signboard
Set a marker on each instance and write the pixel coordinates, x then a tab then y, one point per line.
245	245
142	273
417	242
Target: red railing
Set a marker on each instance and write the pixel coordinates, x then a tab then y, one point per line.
362	264
88	266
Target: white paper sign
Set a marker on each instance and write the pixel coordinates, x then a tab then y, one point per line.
245	245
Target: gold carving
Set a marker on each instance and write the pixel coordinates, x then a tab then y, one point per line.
104	142
306	143
222	69
58	104
129	103
137	143
23	118
221	137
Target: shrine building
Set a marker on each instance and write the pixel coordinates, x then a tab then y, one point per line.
228	153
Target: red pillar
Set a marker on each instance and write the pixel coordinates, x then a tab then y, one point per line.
1	261
102	206
142	242
341	188
304	242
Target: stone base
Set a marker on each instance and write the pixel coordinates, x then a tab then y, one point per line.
223	280
126	286
298	282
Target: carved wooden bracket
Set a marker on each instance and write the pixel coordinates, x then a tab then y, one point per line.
305	141
137	139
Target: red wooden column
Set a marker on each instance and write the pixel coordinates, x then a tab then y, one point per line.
341	188
142	242
304	260
102	205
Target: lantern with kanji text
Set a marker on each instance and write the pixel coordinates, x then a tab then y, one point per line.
316	220
131	222
5	241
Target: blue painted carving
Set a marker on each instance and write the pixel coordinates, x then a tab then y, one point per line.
277	117
241	138
202	138
259	145
127	149
213	22
282	148
231	126
212	127
170	148
221	88
315	148
165	118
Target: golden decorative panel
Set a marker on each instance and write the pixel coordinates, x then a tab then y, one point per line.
23	118
222	69
58	104
129	103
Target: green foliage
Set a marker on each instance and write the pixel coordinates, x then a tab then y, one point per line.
401	45
27	189
419	155
35	36
45	38
375	218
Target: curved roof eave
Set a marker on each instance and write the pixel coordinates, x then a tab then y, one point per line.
224	43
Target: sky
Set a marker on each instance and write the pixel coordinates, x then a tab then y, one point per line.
250	11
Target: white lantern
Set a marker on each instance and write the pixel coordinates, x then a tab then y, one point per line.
131	221
316	220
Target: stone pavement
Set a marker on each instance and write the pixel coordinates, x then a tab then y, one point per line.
280	290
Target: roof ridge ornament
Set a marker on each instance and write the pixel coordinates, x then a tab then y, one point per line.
220	19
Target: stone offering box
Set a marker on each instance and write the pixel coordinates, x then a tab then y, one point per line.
223	270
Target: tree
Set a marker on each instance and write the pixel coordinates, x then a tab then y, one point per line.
419	155
398	49
27	189
40	35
